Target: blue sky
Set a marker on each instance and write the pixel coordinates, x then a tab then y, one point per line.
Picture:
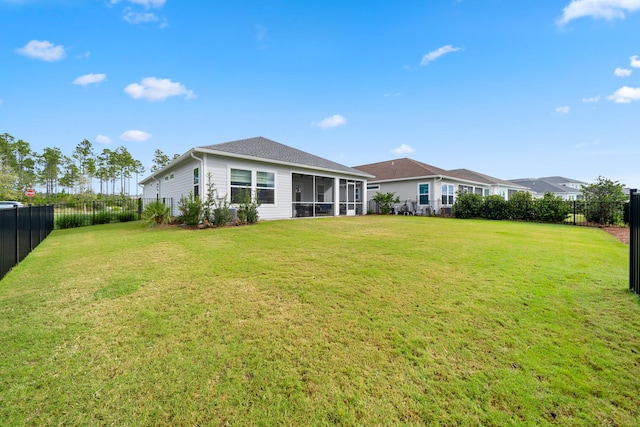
509	88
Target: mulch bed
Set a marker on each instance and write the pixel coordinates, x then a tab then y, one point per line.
621	233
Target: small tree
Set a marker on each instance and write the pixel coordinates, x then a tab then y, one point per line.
604	201
385	201
216	209
247	207
191	209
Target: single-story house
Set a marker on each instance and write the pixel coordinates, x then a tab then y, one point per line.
565	188
288	182
427	189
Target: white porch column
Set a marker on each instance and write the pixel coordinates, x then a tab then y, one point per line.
336	196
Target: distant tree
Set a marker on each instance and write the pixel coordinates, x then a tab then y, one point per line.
49	162
604	201
160	160
86	165
8	182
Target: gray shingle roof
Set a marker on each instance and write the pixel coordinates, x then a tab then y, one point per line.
540	186
265	149
470	175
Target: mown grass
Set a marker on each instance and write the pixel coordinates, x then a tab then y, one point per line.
350	321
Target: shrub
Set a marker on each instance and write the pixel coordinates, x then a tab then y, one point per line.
521	206
604	201
552	208
494	207
247	208
156	213
467	205
127	216
385	201
101	218
70	221
190	209
215	209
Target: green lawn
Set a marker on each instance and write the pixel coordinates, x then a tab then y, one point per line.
376	320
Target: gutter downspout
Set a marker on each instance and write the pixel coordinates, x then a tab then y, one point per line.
439	179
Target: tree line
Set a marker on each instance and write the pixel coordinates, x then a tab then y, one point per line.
84	173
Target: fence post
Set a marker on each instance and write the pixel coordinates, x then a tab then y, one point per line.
634	241
139	207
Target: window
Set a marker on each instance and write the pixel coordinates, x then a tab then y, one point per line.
463	189
373	186
196	182
423	189
240	184
447	194
266	183
479	191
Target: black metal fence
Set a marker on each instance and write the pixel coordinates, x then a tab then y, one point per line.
21	230
80	214
634	242
573	212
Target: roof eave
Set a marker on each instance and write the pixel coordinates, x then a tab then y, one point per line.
280	162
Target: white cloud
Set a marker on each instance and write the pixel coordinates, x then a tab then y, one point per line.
563	110
149	3
622	72
635	62
403	149
90	78
43	50
146	3
606	9
154	89
331	122
138	18
625	95
102	139
433	55
591	100
135	135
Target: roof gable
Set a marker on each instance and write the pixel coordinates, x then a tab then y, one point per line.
404	168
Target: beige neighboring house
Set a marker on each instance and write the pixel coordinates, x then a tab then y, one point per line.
288	182
426	189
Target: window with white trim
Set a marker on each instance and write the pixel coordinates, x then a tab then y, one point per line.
266	185
447	194
423	190
240	184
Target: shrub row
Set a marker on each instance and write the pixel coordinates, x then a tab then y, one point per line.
81	220
520	207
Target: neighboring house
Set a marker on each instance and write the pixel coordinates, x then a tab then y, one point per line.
566	188
428	189
288	182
